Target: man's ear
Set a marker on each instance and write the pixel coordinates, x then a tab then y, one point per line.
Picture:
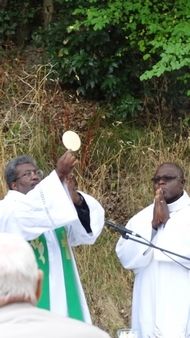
13	186
39	284
183	181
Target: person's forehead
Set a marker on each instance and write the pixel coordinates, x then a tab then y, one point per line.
167	169
24	167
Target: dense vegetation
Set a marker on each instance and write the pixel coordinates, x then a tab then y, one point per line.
125	52
117	72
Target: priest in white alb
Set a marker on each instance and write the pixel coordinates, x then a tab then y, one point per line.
161	293
53	216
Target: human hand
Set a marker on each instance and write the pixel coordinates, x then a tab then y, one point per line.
72	185
160	212
65	164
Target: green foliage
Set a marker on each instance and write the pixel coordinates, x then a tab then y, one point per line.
127	107
100	46
171	41
86	60
158	30
107	49
7	25
90	54
16	20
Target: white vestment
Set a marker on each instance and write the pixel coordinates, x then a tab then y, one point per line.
45	208
161	293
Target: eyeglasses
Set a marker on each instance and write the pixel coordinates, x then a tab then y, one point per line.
29	173
164	178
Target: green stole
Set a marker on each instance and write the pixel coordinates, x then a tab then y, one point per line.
40	249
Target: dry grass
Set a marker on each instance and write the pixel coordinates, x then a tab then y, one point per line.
112	168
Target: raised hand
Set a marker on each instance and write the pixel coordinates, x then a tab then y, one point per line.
65	164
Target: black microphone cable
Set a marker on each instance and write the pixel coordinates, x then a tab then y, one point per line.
123	231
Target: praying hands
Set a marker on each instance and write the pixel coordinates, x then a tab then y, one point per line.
161	212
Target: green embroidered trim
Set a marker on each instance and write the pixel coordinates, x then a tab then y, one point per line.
72	292
39	247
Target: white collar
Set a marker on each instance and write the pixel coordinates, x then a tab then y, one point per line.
182	202
15	195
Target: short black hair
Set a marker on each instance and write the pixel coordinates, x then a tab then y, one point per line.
174	165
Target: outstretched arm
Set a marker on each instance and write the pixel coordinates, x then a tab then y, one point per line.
79	202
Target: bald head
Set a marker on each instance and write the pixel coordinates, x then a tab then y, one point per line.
19	274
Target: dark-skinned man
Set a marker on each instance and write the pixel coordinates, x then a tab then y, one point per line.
161	293
53	215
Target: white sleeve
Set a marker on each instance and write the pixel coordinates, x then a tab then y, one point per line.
77	234
44	208
49	206
132	254
175	237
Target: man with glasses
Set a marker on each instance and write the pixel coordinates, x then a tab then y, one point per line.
53	215
22	174
161	293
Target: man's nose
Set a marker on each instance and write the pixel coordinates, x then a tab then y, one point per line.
161	181
34	175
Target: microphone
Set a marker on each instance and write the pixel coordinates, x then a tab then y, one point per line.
121	229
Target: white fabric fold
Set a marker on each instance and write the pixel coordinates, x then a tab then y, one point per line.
161	297
47	207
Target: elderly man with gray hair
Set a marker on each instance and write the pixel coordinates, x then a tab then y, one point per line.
20	285
55	217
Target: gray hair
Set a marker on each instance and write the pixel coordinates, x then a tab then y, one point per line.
18	270
10	170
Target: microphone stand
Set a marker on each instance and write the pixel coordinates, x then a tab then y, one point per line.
126	233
